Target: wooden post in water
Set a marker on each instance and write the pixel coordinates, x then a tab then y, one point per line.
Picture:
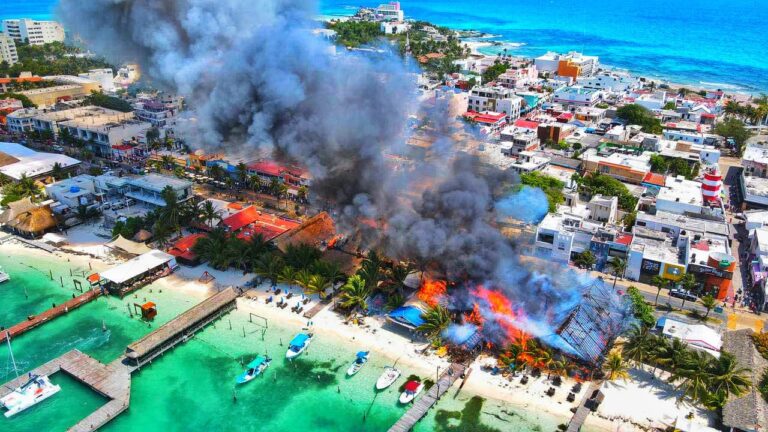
230	324
61	281
243	331
50	274
70	271
130	312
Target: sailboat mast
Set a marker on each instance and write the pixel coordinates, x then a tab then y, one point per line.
10	350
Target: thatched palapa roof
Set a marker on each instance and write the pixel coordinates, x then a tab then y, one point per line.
315	231
37	220
142	236
750	411
15	209
6	159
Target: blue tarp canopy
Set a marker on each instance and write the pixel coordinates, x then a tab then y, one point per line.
362	354
661	322
299	340
409	315
256	362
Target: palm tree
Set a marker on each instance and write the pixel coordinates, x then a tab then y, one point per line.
287	275
659	283
639	344
354	293
27	187
671	353
208	213
619	266
688	282
167	161
615	366
302	193
396	276
436	320
317	284
302	278
161	233
709	303
269	265
212	248
57	172
255	183
215	171
692	376
242	174
726	379
329	270
171	212
371	270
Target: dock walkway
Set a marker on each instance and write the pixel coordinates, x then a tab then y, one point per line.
38	244
112	381
50	314
423	404
580	416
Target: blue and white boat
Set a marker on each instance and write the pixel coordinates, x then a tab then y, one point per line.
360	360
255	368
298	344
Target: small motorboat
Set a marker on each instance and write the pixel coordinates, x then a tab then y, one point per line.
360	360
298	344
36	390
255	368
4	276
412	389
387	378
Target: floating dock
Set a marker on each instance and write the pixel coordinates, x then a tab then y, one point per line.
112	381
423	404
50	314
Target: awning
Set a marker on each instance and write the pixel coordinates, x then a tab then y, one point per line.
411	386
409	315
123	244
299	340
137	266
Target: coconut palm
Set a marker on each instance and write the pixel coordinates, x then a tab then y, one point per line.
209	214
168	162
436	320
619	266
317	284
688	282
287	275
615	366
269	266
57	172
211	248
355	293
242	174
329	270
161	233
659	282
215	171
302	256
671	353
255	183
396	277
692	376
371	270
709	303
726	379
638	347
302	278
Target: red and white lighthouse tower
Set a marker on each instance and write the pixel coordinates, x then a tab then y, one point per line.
711	184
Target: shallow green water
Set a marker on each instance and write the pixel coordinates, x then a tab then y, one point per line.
192	387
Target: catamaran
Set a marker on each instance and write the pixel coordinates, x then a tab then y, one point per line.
412	389
360	360
298	344
255	368
34	391
389	376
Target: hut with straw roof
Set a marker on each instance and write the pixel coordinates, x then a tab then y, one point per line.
34	222
748	412
142	236
15	209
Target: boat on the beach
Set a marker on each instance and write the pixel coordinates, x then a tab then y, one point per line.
298	344
255	368
412	389
389	376
4	277
360	360
34	391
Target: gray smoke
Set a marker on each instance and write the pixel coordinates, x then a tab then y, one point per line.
259	82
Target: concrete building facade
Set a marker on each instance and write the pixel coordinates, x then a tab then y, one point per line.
34	32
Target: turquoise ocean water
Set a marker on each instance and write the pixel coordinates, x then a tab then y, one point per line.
715	43
192	386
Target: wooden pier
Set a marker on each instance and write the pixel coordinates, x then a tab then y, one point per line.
423	404
38	244
580	416
42	318
112	381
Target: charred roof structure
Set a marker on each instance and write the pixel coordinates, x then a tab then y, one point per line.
590	327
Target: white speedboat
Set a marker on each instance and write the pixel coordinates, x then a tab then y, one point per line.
36	390
298	345
255	368
387	378
360	360
412	389
4	276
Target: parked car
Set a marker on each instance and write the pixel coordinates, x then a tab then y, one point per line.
130	202
682	294
58	148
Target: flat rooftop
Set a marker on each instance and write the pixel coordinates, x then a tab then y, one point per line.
157	183
656	246
678	189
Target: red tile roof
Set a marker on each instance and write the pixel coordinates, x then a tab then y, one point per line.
183	247
250	222
624	239
654	179
527	124
242	218
490	118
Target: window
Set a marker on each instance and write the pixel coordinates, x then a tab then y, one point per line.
546	238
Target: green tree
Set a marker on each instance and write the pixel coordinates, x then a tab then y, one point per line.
639	344
355	33
552	187
25	101
269	265
670	105
671	354
692	376
734	128
635	114
109	102
659	282
726	379
615	366
585	260
709	303
658	164
493	71
354	293
619	267
436	320
209	214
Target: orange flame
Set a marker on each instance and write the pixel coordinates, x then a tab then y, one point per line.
432	291
506	315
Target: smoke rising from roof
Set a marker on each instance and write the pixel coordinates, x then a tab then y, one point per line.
258	81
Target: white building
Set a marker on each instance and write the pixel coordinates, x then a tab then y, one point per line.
610	81
528	162
394	27
603	208
516	140
73	192
685	135
697	336
149	188
519	77
680	196
576	96
19	161
550	62
8	52
21	120
652	101
100	128
389	11
104	77
33	31
497	99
